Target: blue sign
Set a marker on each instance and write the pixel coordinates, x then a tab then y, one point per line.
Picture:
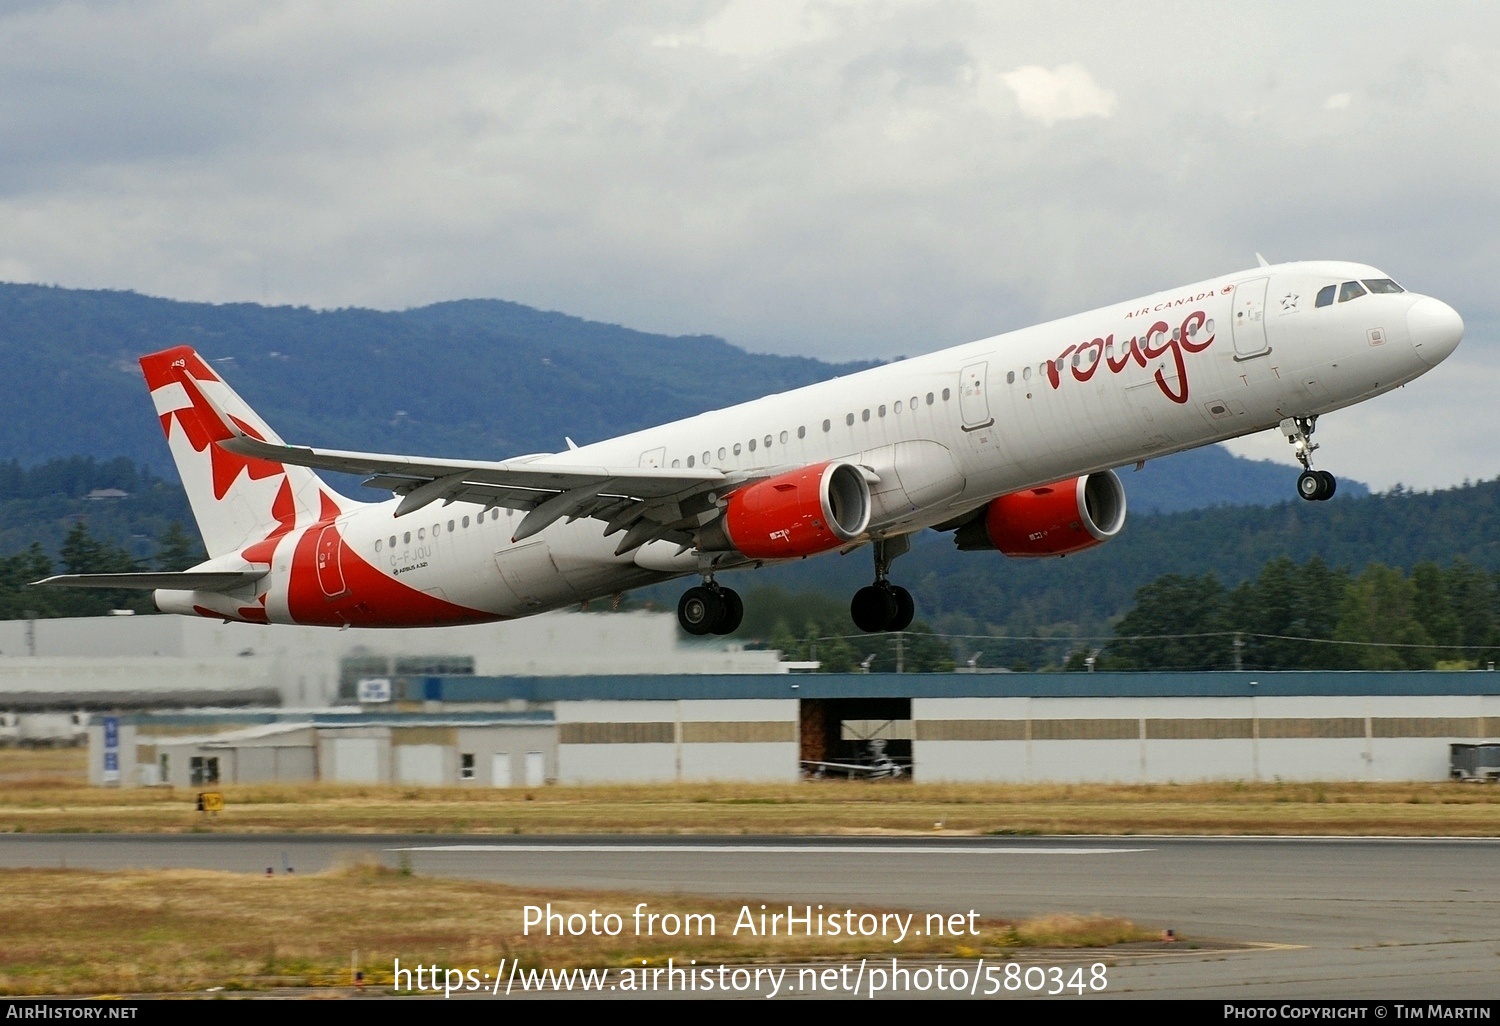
111	749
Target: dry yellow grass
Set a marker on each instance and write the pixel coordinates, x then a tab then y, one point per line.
77	932
42	766
1451	809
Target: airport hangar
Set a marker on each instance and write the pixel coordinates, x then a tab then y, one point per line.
1011	727
596	697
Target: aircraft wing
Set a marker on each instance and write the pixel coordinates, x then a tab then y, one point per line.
188	580
648	503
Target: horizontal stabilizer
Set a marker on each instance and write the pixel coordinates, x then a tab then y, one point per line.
190	580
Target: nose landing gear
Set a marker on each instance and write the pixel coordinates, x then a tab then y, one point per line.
1312	485
710	609
884	606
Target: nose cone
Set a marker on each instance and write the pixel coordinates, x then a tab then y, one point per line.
1436	329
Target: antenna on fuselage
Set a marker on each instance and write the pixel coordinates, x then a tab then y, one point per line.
571	444
1262	260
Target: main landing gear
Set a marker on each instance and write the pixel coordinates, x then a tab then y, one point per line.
884	606
1312	485
710	609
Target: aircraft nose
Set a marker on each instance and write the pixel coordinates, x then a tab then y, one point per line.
1436	329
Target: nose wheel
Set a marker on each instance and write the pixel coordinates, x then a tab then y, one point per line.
1312	485
1316	485
710	609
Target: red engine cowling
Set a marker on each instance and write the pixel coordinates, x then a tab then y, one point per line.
799	513
1052	520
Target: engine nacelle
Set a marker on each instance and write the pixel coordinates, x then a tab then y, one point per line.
1052	520
799	513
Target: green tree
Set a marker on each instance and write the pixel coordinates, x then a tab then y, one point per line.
1176	624
1283	605
1378	614
178	550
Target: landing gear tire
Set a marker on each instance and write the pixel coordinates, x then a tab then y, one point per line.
734	612
906	609
1316	485
1310	486
873	607
700	610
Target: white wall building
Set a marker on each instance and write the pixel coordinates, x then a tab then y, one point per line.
306	666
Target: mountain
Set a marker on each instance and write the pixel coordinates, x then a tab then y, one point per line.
478	379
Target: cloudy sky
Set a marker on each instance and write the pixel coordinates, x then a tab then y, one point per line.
836	179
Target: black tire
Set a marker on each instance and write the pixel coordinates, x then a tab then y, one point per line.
734	612
699	610
1330	485
1310	486
906	609
872	609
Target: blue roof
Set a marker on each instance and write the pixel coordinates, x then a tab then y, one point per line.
670	687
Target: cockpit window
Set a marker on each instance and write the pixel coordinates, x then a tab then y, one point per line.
1350	290
1382	285
1325	295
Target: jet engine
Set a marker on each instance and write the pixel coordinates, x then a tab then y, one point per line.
799	513
1052	520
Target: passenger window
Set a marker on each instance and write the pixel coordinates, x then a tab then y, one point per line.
393	541
377	544
479	517
465	523
752	446
406	538
1026	372
736	448
783	436
849	419
676	464
436	529
1010	377
691	460
768	439
450	527
828	425
1325	295
707	458
802	431
881	411
723	453
865	416
946	394
1382	285
929	398
898	406
1350	290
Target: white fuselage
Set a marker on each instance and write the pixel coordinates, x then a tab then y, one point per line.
947	432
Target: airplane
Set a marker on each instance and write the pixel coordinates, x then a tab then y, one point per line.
1008	442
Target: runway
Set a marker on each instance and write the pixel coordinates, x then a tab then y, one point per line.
1394	918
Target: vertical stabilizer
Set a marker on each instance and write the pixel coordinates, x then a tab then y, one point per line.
237	500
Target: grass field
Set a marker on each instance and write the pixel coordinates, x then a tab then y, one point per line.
76	932
44	792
